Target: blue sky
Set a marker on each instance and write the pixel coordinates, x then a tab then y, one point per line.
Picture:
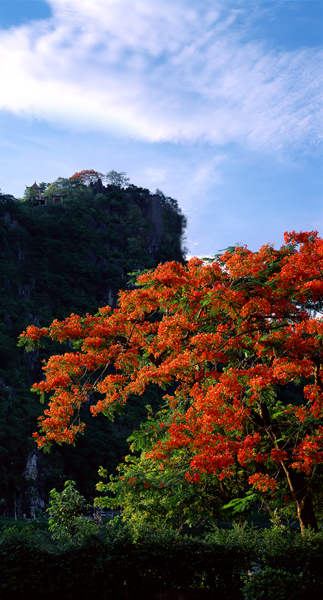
216	103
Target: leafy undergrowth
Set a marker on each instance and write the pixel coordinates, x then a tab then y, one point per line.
107	560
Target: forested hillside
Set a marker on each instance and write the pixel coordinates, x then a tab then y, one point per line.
56	259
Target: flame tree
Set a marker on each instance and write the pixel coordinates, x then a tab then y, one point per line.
219	338
86	176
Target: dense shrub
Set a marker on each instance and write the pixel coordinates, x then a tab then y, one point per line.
272	584
108	560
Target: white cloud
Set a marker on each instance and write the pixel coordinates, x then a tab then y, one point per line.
155	176
160	71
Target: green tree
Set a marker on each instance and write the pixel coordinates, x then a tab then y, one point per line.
119	179
65	510
159	493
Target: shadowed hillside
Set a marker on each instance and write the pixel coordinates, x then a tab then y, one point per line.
71	256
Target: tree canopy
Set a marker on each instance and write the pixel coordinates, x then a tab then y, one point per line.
87	176
118	178
221	338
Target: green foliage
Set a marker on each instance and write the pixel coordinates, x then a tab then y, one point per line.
242	505
275	548
272	584
62	185
300	555
21	522
159	494
114	561
66	510
115	178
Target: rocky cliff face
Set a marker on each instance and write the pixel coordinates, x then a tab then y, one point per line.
31	502
162	214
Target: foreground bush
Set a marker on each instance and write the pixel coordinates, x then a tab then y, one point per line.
111	559
272	584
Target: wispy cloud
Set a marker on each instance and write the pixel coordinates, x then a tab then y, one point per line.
161	71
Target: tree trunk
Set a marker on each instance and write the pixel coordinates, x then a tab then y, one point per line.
296	481
306	513
305	510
